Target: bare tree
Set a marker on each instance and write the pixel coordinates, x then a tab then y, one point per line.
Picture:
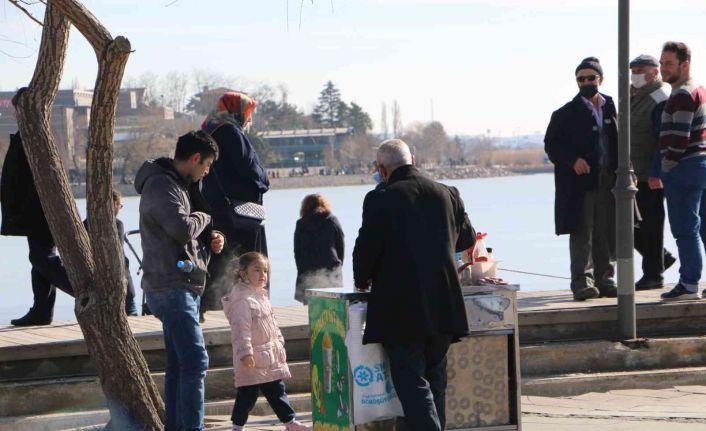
150	82
357	152
175	88
383	121
90	256
396	119
146	140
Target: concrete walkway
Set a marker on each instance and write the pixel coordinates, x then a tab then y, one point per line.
682	408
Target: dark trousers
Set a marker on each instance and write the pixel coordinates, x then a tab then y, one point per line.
649	234
130	306
592	244
274	393
47	272
418	372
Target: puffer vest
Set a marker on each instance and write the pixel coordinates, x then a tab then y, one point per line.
643	142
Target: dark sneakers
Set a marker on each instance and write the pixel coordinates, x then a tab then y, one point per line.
679	293
669	260
31	319
646	283
585	293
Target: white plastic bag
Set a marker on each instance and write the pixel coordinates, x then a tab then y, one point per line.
374	396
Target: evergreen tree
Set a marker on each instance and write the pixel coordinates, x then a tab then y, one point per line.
330	109
358	119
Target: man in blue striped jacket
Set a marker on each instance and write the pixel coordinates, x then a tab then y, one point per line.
683	149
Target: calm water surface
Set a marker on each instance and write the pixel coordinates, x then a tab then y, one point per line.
517	213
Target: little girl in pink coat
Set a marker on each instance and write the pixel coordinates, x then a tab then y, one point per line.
259	358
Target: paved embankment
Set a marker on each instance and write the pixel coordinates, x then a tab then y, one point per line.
319	181
567	349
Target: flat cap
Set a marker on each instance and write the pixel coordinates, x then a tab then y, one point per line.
644	60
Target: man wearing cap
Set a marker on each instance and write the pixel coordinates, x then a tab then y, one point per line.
581	141
648	94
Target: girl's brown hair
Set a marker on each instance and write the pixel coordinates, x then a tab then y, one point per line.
246	259
313	204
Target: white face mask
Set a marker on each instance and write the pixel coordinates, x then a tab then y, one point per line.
638	80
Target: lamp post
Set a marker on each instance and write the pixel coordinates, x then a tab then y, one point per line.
624	189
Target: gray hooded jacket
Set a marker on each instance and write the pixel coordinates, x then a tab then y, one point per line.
170	229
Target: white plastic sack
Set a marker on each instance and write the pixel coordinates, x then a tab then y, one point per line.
374	396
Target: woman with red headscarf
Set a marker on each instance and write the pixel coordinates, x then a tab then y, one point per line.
237	176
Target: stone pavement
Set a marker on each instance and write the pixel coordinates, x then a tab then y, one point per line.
681	408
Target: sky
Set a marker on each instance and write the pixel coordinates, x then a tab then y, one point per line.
498	67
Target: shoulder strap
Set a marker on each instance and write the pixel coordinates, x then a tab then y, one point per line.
215	176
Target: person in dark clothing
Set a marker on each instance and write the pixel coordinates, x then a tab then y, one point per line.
404	253
582	143
318	247
130	306
22	215
237	176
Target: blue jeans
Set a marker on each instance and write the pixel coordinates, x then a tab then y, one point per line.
187	360
685	188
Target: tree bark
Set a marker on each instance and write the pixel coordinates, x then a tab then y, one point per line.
95	266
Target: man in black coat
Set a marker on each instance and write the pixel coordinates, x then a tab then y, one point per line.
22	215
581	141
404	254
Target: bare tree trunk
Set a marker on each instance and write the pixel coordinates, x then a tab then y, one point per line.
95	267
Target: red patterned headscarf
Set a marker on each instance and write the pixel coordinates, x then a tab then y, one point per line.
232	108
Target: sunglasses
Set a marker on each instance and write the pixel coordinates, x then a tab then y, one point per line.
589	78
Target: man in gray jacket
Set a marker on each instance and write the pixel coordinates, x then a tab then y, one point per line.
177	242
648	94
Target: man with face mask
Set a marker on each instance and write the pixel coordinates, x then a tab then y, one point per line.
682	145
648	94
581	142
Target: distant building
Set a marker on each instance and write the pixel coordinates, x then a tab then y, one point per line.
294	148
204	102
70	114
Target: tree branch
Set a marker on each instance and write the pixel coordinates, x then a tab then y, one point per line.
7	54
25	11
97	35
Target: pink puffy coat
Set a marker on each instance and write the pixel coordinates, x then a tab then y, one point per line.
254	331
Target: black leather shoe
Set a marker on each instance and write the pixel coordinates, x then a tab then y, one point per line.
646	283
586	293
669	260
31	319
609	291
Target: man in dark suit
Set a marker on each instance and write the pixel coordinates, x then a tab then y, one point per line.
404	254
582	142
22	215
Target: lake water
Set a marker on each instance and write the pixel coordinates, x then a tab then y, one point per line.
517	212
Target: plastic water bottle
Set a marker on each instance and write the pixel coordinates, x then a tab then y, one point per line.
185	265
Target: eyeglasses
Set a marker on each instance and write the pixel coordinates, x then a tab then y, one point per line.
589	78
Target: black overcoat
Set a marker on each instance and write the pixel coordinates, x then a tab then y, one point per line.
22	213
405	250
573	133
